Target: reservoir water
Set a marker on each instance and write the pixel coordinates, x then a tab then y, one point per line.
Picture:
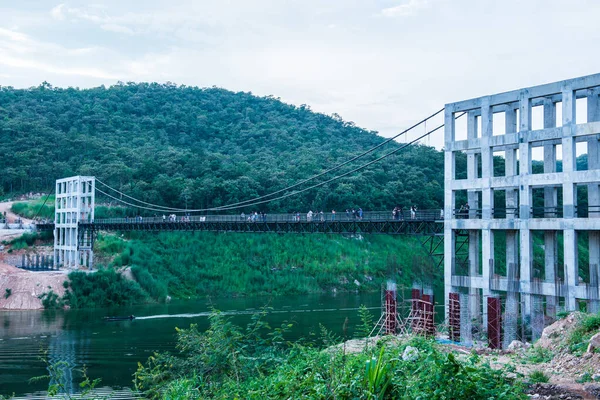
111	350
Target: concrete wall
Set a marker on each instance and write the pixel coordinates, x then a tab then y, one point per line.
525	290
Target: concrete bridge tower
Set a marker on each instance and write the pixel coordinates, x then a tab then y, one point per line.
523	224
75	201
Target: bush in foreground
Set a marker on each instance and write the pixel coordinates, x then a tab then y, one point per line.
257	363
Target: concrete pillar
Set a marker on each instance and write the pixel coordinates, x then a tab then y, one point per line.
525	272
525	206
449	200
550	202
571	269
537	317
593	111
569	197
466	327
473	201
487	202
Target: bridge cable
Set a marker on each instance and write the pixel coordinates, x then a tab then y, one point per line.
342	175
43	204
227	206
129	204
328	181
305	189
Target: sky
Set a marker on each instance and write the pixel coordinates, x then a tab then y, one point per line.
383	64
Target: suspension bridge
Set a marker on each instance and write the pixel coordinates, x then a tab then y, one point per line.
559	119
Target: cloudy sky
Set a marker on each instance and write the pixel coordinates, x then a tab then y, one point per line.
383	64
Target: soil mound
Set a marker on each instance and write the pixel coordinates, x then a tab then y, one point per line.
20	289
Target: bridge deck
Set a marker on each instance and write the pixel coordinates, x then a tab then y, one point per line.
423	223
406	227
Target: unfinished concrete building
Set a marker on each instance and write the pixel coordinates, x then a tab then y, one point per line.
528	243
75	201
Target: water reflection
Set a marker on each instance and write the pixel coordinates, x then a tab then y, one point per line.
111	350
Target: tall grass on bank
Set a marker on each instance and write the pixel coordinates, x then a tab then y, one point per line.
197	264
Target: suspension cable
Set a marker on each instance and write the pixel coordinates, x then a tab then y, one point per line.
130	204
42	206
342	175
226	207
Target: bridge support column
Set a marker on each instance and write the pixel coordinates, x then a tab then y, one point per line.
75	201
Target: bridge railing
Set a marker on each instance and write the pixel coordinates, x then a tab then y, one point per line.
546	212
503	213
375	216
470	213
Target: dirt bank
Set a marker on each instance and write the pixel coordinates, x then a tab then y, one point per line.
26	286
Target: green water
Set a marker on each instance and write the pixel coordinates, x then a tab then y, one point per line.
111	350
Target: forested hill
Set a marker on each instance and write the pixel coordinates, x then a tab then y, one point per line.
170	144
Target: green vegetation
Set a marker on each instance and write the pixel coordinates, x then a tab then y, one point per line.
258	363
7	293
51	300
186	146
538	377
29	239
538	355
197	264
585	377
31	209
104	288
578	339
191	265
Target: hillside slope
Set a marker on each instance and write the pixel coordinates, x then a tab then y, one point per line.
186	146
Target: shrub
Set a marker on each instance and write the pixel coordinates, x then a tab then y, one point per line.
104	288
7	293
538	377
585	377
538	354
577	340
50	300
256	363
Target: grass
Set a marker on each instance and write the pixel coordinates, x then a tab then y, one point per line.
29	239
539	377
538	354
198	264
578	339
30	209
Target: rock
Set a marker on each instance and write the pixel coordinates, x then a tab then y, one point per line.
594	343
168	299
516	345
553	334
357	283
410	353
